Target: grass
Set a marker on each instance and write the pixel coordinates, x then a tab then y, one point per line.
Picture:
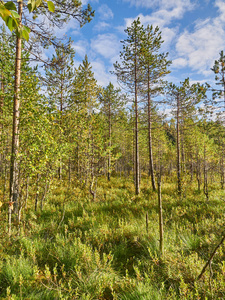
79	249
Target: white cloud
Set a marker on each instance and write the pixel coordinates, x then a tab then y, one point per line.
163	17
179	63
105	13
101	26
202	46
102	74
85	2
106	45
81	47
166	4
221	5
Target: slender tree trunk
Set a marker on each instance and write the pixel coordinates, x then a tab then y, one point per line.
14	168
222	168
183	165
211	257
45	192
151	164
27	191
5	180
205	176
137	171
69	169
61	114
1	120
160	216
37	192
198	171
178	148
110	142
191	166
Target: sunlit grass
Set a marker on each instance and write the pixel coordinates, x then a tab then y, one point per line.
77	248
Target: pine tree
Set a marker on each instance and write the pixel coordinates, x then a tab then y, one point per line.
183	100
129	74
155	66
83	105
59	75
112	102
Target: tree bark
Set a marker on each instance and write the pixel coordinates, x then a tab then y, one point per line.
1	119
14	168
222	168
61	114
206	192
110	142
137	173
160	216
151	164
178	148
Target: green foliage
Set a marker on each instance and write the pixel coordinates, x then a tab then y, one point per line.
80	249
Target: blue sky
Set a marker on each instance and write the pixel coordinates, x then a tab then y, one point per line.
193	31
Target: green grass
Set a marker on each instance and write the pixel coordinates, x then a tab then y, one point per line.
79	249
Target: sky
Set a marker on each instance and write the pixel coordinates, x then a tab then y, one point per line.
193	32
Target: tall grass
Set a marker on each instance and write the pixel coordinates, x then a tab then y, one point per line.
79	249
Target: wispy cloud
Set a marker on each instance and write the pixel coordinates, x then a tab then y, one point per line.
101	26
166	4
102	73
105	13
201	46
85	2
81	47
107	45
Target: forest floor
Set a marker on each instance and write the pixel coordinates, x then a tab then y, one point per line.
77	248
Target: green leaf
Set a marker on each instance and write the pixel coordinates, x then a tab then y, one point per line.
25	34
4	12
51	6
15	14
10	24
10	5
27	29
38	3
29	6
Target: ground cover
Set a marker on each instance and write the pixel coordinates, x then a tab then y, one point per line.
77	248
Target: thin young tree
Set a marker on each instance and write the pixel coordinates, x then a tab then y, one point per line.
183	100
112	103
68	9
59	75
129	74
155	67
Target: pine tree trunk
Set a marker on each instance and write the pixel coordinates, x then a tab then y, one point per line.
178	148
110	142
137	174
183	165
198	172
222	168
14	168
205	176
151	165
160	216
61	114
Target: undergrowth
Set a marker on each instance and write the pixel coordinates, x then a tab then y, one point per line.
77	248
